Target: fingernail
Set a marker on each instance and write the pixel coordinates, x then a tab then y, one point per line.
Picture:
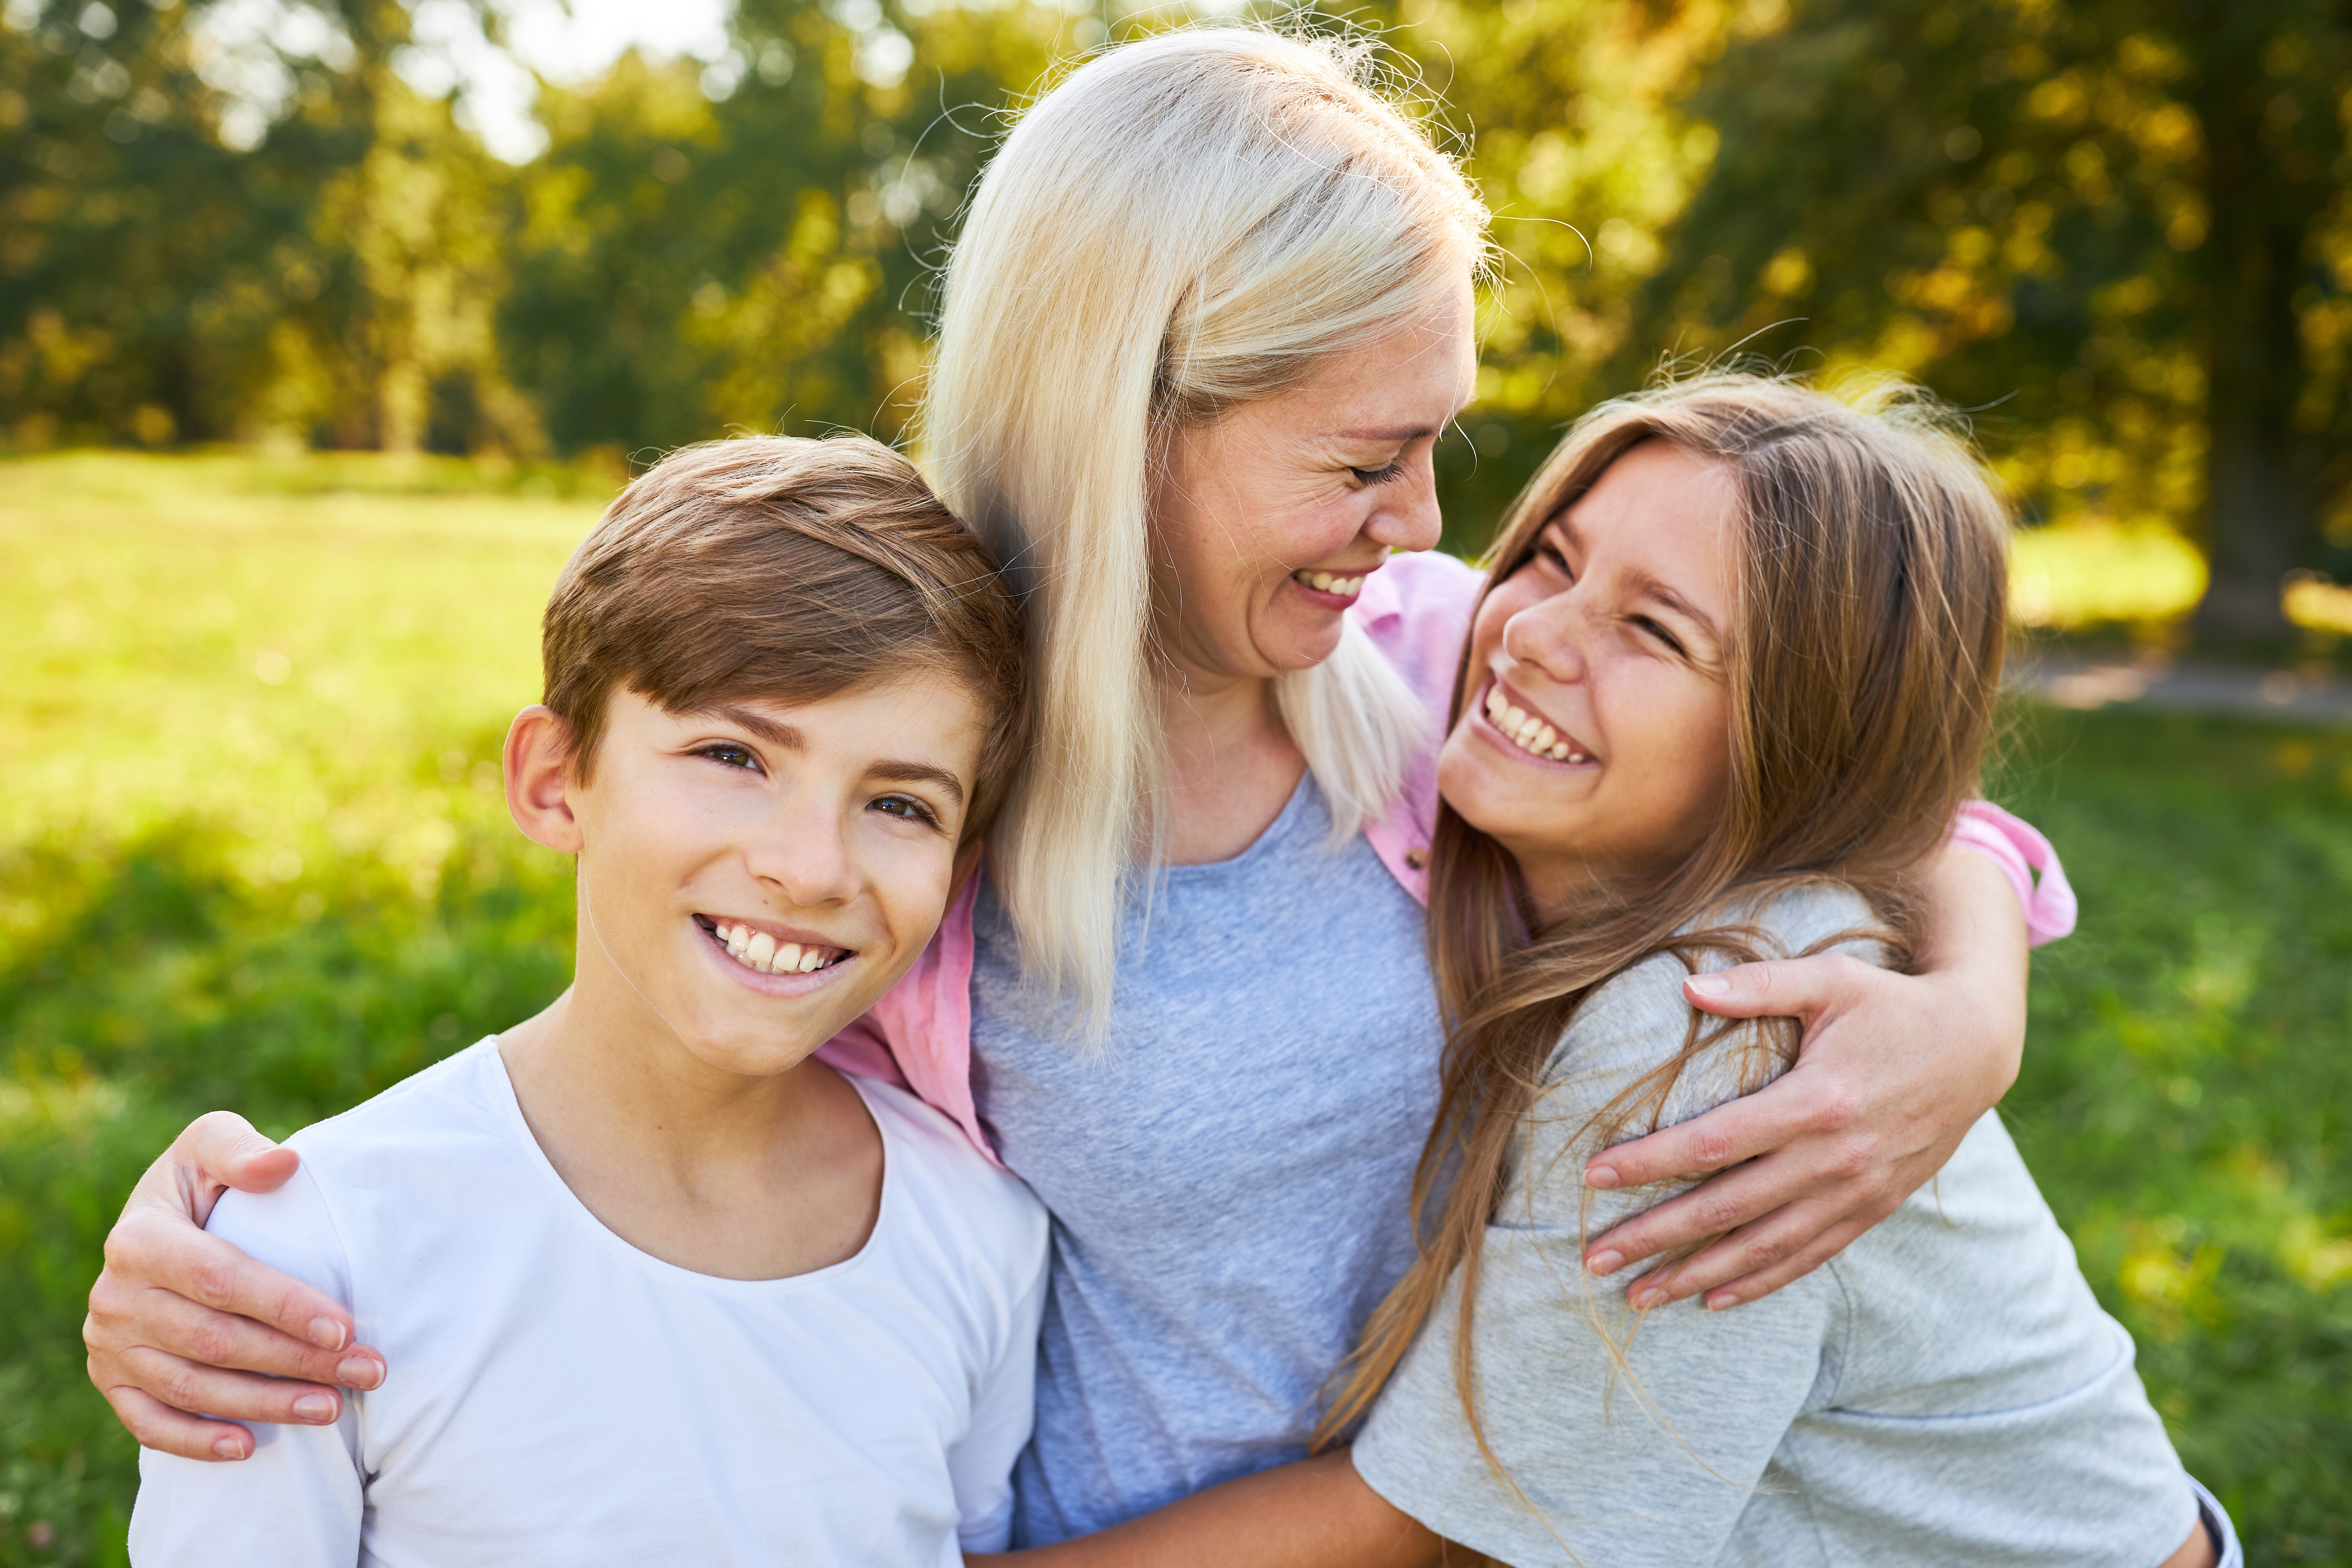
1646	1299
316	1408
1720	1299
228	1448
1602	1176
359	1371
1710	985
326	1333
1603	1263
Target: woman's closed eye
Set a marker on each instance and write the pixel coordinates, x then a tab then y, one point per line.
1392	469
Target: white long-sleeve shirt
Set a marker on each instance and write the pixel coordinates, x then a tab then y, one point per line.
558	1397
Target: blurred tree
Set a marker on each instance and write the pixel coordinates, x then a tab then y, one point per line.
2123	221
1570	114
750	244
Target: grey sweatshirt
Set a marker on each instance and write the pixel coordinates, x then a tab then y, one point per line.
1945	1391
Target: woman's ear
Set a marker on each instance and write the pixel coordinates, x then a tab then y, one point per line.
538	761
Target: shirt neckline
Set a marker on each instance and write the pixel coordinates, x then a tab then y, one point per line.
508	1108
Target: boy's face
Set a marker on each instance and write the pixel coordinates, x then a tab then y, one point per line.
755	876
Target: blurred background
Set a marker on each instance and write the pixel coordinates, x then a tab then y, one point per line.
326	329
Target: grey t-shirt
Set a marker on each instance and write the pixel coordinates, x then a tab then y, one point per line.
1945	1391
1227	1170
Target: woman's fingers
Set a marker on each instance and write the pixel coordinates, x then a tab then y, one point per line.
1710	1210
152	1254
202	1390
1797	1106
158	1426
1806	988
1752	1261
221	1148
1795	1266
126	1320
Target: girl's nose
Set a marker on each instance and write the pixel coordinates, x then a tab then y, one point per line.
1549	637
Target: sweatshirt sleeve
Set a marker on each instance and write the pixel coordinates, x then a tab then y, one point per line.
1625	1438
298	1501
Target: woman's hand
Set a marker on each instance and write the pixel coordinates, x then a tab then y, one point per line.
174	1307
1894	1071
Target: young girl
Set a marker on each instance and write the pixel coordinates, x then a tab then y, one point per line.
1732	677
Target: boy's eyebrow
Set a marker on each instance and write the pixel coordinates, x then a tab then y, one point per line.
917	773
892	768
767	729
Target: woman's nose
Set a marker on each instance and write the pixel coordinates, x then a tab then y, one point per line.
1408	518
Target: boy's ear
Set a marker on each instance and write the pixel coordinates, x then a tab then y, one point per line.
538	763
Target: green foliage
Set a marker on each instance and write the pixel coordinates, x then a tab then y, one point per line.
281	895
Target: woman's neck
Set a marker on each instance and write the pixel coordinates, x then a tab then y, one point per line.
1232	764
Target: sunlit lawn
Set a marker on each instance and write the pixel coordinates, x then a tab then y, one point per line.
251	854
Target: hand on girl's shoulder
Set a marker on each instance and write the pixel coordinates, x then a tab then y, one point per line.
1637	1047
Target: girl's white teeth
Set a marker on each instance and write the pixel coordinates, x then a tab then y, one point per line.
1528	730
1325	583
759	951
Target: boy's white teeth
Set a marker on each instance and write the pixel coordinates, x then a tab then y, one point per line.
1325	583
758	950
1528	730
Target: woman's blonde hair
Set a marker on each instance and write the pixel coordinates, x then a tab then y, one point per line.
1187	223
1864	670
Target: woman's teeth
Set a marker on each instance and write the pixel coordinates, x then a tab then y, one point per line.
758	950
1324	583
1532	735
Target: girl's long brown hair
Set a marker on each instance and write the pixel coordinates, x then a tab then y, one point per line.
1863	670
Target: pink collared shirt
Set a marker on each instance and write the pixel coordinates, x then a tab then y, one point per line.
1416	609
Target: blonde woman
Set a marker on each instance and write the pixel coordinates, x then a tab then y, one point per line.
1211	310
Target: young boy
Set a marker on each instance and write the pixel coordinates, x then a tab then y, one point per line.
657	1286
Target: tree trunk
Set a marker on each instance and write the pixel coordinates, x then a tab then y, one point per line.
2261	501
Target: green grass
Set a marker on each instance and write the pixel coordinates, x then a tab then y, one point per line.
217	888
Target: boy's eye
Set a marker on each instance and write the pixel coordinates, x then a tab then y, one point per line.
905	807
729	755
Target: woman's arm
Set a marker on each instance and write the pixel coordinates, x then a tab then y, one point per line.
1317	1513
181	1320
1894	1071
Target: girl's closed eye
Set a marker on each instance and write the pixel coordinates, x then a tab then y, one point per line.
1660	634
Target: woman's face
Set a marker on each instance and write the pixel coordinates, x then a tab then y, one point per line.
1596	736
1265	522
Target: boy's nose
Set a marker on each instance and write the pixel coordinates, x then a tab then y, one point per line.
807	859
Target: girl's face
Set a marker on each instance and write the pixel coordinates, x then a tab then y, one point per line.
1266	522
1596	737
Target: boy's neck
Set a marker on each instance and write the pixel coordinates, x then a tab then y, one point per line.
718	1172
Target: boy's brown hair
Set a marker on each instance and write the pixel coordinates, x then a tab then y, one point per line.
783	570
